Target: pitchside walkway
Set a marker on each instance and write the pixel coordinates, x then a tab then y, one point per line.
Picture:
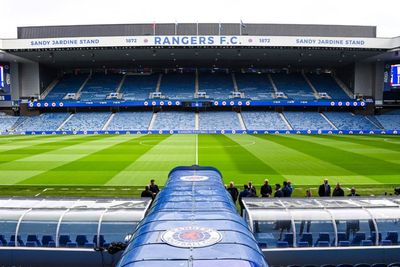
193	222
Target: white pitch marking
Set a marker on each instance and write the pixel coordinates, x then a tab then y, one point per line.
38	194
197	149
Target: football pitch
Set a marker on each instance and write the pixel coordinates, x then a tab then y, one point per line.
120	165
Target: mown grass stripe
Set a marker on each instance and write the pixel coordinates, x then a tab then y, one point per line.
380	143
26	149
16	171
357	163
97	167
300	168
157	160
235	162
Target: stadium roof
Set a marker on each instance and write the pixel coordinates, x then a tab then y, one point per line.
199	45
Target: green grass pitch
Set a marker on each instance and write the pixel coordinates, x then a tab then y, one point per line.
119	165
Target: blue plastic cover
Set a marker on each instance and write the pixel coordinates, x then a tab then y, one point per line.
193	197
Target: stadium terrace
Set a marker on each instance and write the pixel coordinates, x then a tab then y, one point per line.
100	110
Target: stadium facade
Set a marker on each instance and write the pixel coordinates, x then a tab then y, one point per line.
200	67
207	78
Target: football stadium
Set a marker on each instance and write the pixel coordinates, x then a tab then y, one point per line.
302	120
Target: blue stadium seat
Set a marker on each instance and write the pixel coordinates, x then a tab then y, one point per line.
362	265
282	244
11	244
31	244
307	237
323	237
3	240
46	239
101	240
386	243
322	244
344	265
303	244
394	264
373	237
51	244
288	237
71	245
33	238
328	265
63	240
366	243
19	240
81	240
379	265
341	237
393	236
89	245
344	243
358	237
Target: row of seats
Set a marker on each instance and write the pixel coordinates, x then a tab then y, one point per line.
48	241
324	240
182	86
185	120
394	264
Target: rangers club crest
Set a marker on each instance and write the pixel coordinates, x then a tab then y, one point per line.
191	237
194	178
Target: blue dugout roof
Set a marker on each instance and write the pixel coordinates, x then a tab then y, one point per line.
193	222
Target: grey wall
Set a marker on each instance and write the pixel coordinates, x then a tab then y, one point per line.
47	75
378	81
191	29
30	79
368	79
15	81
321	256
363	79
44	257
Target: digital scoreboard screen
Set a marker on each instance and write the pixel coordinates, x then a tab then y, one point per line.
395	75
1	76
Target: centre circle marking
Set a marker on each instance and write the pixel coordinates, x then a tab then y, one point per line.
191	237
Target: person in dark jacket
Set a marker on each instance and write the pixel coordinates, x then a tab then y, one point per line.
338	191
353	193
278	191
244	193
147	193
324	189
266	189
252	189
153	187
287	192
233	191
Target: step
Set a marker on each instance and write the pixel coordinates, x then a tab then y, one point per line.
64	122
272	83
241	121
330	123
108	122
152	121
286	121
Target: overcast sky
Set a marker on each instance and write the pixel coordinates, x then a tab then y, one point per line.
385	13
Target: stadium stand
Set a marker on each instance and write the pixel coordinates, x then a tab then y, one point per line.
178	85
389	121
7	122
219	120
261	120
99	87
255	86
307	120
177	120
44	122
324	83
68	84
293	85
130	121
138	87
349	121
216	85
85	121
